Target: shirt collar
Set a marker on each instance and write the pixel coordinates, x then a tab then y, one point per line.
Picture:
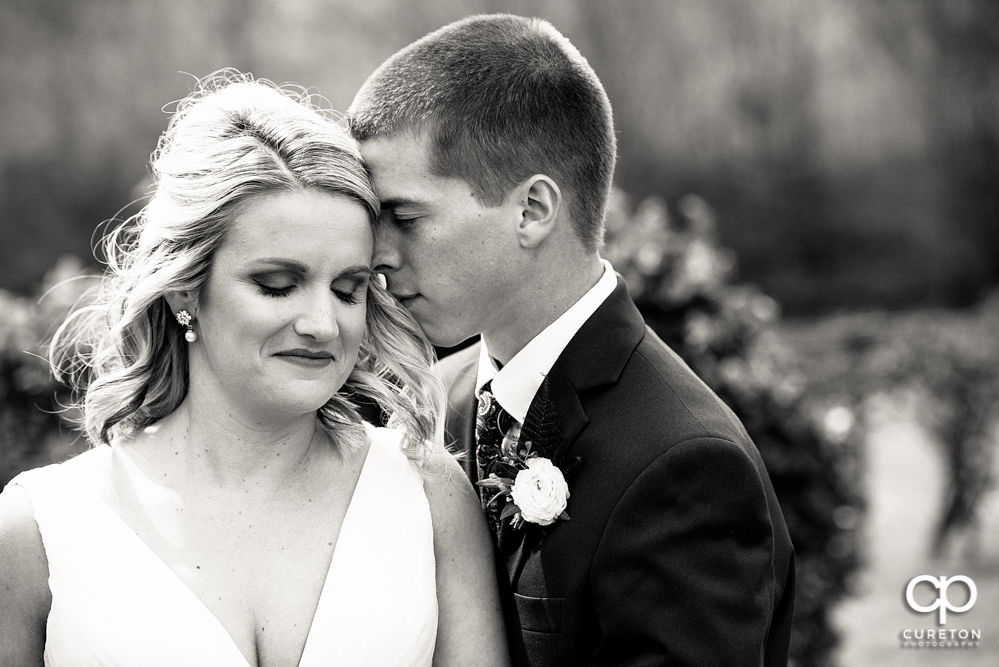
515	385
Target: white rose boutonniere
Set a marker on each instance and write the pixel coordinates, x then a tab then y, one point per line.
530	489
540	492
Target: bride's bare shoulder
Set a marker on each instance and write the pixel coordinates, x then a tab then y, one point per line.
92	461
24	576
19	534
91	469
467	595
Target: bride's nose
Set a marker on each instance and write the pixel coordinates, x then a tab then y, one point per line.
317	317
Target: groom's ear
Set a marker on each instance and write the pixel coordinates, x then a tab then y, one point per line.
540	202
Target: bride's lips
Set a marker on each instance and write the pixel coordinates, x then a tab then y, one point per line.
308	358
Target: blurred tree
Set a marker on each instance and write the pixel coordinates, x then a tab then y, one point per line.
850	147
961	94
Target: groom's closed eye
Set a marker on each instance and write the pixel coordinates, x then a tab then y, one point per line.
403	222
401	214
391	219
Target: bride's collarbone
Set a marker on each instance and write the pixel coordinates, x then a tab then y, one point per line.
180	487
244	530
256	558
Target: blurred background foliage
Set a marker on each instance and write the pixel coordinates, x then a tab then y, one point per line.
803	389
680	278
35	428
812	191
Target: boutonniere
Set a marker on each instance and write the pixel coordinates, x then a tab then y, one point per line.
532	490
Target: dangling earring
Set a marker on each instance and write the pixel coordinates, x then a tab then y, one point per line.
184	319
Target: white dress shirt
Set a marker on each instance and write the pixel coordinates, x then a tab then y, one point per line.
515	385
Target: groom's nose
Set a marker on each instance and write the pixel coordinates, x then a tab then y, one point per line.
387	257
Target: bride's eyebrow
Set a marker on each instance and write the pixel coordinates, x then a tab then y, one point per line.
289	264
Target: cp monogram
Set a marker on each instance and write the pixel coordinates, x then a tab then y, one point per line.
941	602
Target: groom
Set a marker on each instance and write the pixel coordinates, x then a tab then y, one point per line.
491	146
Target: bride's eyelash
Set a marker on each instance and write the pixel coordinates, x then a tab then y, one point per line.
353	296
349	299
275	291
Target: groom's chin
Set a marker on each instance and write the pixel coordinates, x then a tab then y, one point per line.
442	337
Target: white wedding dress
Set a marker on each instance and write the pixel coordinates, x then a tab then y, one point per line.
115	603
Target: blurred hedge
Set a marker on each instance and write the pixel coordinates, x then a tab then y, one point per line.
680	277
33	430
948	362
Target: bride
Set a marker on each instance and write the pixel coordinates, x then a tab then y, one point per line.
236	509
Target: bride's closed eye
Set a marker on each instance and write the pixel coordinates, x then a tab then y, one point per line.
350	290
275	284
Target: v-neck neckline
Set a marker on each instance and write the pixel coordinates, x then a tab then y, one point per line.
360	488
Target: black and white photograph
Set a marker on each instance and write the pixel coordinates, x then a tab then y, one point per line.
499	333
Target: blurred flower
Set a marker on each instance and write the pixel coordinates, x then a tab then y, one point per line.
846	517
735	373
699	215
699	331
788	390
838	423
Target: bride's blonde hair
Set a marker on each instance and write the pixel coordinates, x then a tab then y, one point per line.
232	139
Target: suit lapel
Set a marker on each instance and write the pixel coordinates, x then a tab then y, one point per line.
554	421
597	354
569	415
594	357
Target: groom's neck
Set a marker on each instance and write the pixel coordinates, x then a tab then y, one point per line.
544	295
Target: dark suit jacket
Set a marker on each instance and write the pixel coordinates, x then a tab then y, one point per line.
676	551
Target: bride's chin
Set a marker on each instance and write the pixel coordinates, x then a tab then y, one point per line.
305	404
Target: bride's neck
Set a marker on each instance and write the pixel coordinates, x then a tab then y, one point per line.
222	447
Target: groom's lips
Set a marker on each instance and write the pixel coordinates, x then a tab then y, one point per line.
407	299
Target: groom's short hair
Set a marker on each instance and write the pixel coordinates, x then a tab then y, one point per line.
500	98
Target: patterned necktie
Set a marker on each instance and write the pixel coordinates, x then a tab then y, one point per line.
496	435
